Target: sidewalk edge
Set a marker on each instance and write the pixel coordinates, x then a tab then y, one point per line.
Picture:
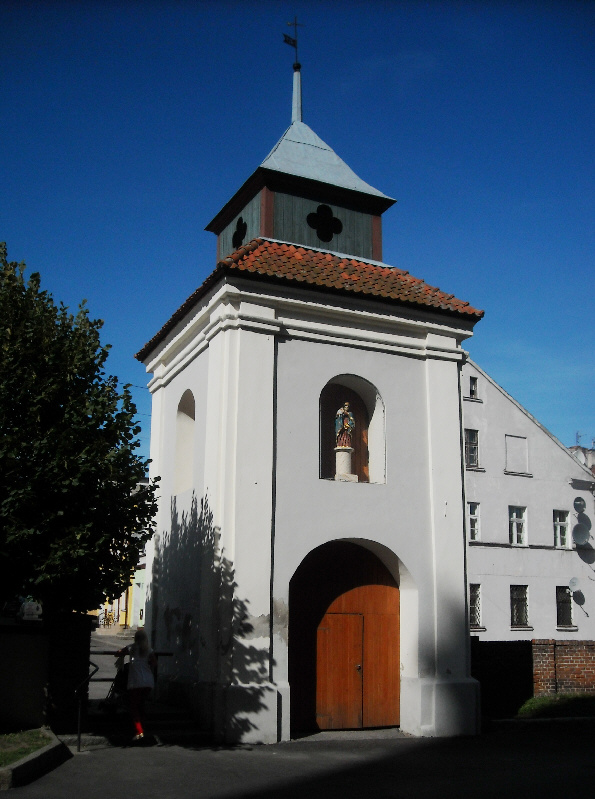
35	765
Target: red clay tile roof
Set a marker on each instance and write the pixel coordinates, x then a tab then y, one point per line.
291	264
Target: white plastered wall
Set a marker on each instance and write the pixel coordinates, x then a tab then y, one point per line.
174	556
256	365
416	514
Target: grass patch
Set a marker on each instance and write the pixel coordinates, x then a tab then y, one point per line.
16	745
559	706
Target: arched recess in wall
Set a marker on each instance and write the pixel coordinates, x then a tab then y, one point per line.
184	462
369	456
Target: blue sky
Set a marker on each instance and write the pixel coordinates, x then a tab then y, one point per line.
127	125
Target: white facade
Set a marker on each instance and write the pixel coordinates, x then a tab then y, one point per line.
252	504
243	375
525	525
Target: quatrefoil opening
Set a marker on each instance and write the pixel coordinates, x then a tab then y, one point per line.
324	223
240	234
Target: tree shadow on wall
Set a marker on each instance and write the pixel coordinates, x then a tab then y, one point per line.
198	617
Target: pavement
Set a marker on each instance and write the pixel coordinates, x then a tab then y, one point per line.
511	759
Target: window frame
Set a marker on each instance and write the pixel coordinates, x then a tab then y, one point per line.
475	622
471	448
516	522
564	605
561	541
473	387
519	607
473	521
516	461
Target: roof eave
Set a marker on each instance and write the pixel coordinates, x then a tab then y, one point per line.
227	266
234	205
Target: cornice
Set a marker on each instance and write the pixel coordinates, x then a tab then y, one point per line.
233	307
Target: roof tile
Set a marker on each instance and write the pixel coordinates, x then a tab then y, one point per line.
278	261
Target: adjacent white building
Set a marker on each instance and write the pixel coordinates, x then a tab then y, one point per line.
529	508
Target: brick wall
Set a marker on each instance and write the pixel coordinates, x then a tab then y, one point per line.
563	667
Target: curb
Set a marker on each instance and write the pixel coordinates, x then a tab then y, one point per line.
35	765
159	737
88	741
542	720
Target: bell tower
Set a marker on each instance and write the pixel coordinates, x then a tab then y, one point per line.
303	193
290	596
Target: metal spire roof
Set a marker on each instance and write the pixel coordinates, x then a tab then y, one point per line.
302	153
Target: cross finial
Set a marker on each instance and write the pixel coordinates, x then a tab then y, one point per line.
292	41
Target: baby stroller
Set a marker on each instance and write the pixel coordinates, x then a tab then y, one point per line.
117	691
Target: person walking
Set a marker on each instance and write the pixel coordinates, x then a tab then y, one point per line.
141	679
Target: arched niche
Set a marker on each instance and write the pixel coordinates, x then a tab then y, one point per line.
369	457
184	453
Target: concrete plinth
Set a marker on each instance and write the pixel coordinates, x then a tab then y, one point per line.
343	465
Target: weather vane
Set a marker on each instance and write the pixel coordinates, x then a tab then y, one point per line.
292	41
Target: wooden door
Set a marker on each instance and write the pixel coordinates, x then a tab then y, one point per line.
381	670
339	683
335	583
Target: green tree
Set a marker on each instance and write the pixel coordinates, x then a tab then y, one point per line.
73	518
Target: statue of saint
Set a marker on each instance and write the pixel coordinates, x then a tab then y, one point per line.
344	426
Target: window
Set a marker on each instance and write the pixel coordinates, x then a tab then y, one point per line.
473	520
517	455
563	606
474	605
473	388
517	525
561	528
471	449
519	616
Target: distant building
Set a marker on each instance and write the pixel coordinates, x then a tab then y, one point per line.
127	610
584	456
529	508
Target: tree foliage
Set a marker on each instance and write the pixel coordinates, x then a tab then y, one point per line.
72	515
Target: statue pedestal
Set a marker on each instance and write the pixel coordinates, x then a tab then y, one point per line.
343	465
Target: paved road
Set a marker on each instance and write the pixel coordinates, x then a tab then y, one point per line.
524	760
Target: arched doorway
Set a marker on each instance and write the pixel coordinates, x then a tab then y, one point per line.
343	640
